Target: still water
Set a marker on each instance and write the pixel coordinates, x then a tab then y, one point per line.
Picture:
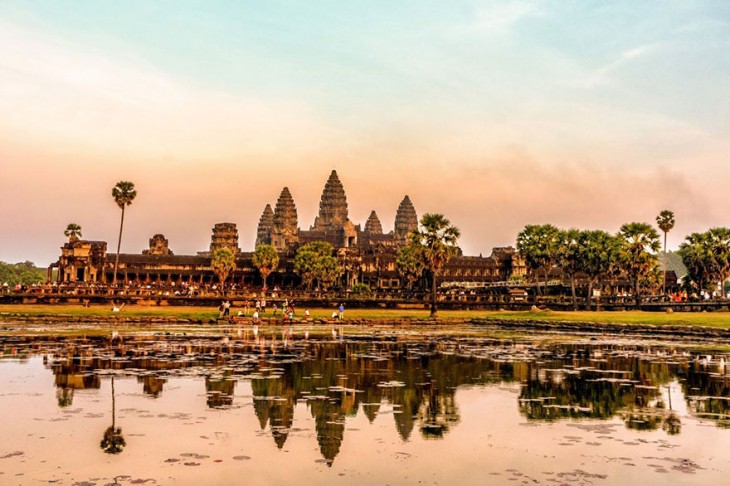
211	410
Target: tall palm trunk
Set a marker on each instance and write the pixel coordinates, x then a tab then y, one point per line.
572	291
637	295
664	264
590	294
119	246
433	294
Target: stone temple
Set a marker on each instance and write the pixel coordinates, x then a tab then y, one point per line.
332	224
366	252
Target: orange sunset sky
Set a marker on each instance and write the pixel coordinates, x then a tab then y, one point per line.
496	114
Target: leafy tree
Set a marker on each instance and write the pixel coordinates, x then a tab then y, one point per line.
640	243
361	289
538	245
328	270
72	232
266	259
720	243
568	257
665	221
223	263
707	257
436	240
123	194
315	261
696	254
598	253
409	264
25	273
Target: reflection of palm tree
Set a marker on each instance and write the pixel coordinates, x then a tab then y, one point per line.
65	397
113	442
671	424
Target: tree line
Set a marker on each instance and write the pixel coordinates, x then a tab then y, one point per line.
632	254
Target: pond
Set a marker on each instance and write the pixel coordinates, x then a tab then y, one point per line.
226	410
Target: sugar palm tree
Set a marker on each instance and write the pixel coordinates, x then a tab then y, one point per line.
123	194
640	243
223	263
665	221
437	240
72	231
538	244
266	259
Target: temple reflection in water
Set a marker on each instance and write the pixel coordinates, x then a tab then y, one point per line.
414	382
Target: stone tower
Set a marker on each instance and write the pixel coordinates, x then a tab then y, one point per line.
158	246
373	225
406	219
332	205
225	235
286	227
266	227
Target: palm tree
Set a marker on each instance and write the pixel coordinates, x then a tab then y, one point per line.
568	257
538	245
640	242
123	194
697	256
266	259
720	240
598	253
665	221
437	240
223	264
73	232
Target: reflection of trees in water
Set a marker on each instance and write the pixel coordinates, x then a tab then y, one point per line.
414	382
706	388
113	442
65	397
601	389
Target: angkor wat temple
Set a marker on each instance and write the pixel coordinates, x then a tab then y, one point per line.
367	254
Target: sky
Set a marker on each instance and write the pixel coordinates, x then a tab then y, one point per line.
498	114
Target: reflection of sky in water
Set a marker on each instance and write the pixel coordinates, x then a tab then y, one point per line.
374	413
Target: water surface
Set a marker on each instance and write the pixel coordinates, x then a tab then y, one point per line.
193	410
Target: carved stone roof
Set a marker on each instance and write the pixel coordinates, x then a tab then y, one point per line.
266	226
225	235
332	205
158	246
406	219
373	224
285	213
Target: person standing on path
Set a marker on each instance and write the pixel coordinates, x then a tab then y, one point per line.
342	311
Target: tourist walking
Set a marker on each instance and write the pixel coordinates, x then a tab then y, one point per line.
342	311
226	308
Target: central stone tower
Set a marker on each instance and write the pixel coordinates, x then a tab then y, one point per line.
332	205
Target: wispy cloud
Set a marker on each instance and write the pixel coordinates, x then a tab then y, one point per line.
601	76
81	97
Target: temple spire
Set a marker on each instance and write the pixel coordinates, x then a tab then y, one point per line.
266	226
406	219
373	225
332	205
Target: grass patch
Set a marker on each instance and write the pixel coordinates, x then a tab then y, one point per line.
711	319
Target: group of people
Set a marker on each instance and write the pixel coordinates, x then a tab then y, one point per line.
287	310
